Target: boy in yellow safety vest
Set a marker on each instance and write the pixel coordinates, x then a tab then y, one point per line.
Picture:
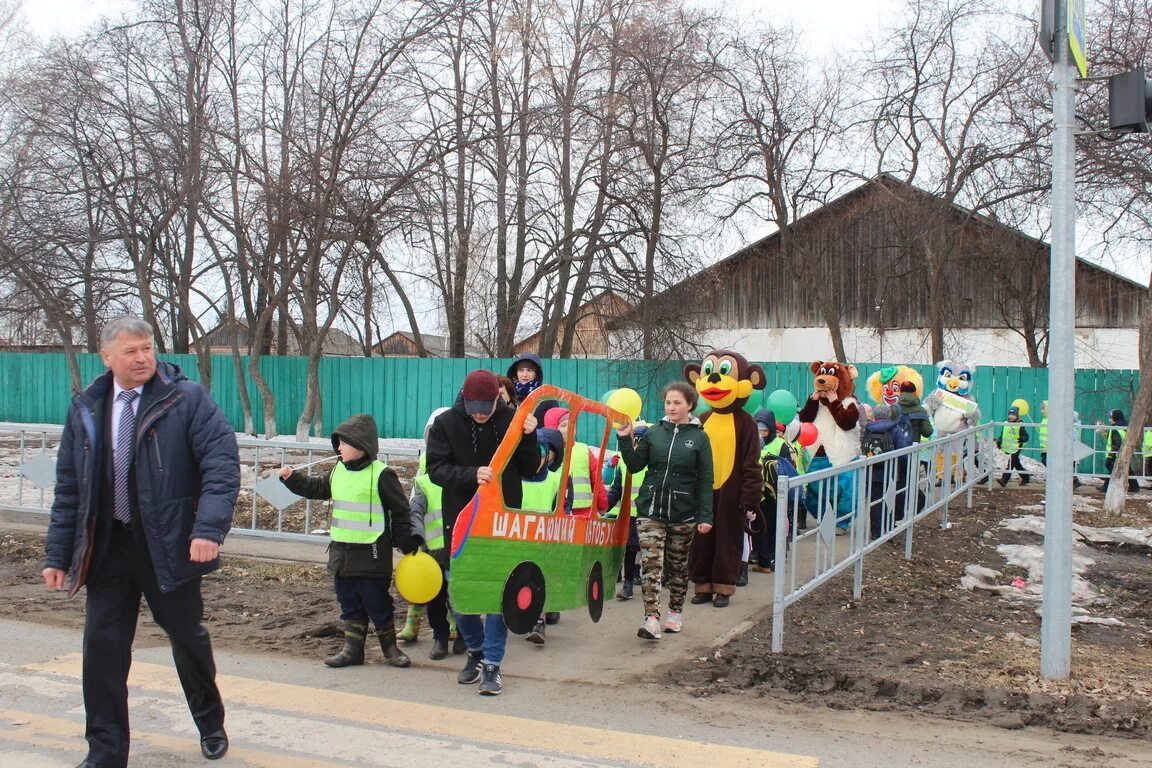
540	494
427	507
587	494
614	473
1012	438
370	515
1146	448
1115	439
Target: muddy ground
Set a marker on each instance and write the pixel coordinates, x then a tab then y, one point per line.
914	641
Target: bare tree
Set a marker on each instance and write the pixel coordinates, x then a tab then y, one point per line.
785	123
664	125
948	80
1113	181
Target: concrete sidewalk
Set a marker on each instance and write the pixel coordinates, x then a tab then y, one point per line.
607	652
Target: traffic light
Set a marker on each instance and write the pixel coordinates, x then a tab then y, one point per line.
1129	102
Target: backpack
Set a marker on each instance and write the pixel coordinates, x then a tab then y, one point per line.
917	429
770	470
902	437
876	442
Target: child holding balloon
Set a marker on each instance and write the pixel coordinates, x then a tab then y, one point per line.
370	515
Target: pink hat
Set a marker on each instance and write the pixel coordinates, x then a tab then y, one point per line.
553	417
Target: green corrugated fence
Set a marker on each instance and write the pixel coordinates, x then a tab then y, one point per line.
400	392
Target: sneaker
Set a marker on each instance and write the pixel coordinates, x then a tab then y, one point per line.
537	633
674	622
625	591
471	672
650	629
552	617
492	683
459	646
1002	482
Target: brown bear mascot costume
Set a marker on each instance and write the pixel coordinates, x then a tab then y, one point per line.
725	380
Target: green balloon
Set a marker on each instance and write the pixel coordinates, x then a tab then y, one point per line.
782	403
752	404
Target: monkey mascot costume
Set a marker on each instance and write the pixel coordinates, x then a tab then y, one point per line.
725	380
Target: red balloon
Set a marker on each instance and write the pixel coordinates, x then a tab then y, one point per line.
808	433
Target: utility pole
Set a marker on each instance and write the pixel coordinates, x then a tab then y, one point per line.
1056	623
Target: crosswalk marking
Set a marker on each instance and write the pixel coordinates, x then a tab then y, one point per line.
60	734
393	714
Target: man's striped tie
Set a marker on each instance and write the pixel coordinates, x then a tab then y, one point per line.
122	457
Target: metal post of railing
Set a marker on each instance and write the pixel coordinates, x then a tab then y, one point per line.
20	477
970	473
861	527
948	477
255	479
780	580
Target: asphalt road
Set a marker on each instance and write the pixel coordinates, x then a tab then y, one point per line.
292	713
574	702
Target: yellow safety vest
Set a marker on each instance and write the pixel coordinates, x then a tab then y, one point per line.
540	496
1043	430
358	514
637	481
1120	434
434	507
1010	438
772	448
580	473
1148	443
802	457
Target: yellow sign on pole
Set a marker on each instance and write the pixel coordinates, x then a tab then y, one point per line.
1076	36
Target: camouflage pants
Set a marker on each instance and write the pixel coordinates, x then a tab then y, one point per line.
664	545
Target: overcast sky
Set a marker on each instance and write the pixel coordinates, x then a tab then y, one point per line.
824	21
66	17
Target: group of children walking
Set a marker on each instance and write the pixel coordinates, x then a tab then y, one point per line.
670	464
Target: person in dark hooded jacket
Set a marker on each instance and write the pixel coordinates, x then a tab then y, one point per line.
147	478
370	515
461	444
1115	438
527	374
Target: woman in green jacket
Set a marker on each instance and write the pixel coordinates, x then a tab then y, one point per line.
674	502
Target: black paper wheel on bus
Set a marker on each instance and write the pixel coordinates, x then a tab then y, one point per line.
523	599
596	591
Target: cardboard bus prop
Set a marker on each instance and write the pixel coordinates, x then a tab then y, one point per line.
519	563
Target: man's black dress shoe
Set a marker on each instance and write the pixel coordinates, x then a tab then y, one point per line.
214	745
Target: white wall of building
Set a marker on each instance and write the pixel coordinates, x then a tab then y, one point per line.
1095	347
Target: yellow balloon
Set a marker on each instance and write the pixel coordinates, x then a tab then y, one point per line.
1021	405
627	401
418	578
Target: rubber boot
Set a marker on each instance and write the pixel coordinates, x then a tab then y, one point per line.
411	624
392	653
459	645
352	653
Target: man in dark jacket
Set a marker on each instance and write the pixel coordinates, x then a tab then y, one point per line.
146	483
461	443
